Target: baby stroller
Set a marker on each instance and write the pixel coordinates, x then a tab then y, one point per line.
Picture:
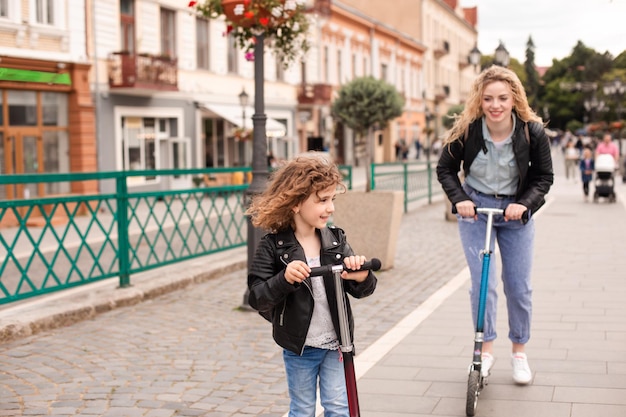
605	181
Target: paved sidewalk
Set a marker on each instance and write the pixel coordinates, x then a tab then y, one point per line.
578	345
193	353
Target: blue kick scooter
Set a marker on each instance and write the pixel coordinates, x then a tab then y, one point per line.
476	382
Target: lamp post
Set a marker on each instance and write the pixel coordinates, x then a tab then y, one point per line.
260	172
501	56
243	100
615	90
474	57
592	105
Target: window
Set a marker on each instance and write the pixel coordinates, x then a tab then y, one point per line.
202	43
168	33
339	70
44	12
4	8
383	72
22	108
232	54
326	66
127	25
280	70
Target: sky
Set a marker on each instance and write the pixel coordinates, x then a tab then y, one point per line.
556	26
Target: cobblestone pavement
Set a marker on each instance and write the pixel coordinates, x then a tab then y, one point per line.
193	352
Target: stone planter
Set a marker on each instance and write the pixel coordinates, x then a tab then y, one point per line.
372	222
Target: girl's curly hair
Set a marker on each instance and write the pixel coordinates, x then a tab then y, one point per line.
473	109
289	186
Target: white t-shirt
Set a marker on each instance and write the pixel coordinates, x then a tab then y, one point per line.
321	332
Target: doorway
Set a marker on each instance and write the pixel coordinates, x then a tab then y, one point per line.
21	152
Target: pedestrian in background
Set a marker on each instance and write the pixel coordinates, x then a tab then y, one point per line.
506	160
608	147
295	209
586	170
572	158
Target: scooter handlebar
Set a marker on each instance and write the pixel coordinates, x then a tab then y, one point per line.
374	265
524	219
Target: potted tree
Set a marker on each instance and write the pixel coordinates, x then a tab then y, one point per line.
364	104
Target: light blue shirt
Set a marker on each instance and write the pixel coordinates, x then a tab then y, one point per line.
494	172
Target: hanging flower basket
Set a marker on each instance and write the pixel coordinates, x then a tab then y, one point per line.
283	23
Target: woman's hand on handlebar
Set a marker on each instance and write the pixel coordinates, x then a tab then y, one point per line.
514	211
466	208
354	262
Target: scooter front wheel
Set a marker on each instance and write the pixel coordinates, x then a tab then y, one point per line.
473	389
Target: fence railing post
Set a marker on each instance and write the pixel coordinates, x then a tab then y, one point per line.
430	182
406	187
123	243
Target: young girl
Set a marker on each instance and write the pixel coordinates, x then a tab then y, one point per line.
295	208
586	170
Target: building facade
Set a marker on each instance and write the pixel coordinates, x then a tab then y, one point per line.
47	116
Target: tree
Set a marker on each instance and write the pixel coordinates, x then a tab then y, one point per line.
448	119
532	76
366	103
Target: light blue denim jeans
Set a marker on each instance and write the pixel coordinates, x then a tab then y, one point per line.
515	241
303	374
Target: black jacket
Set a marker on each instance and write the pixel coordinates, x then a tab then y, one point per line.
290	307
532	155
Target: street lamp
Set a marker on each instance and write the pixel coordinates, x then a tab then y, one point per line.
474	56
260	171
593	105
501	56
243	100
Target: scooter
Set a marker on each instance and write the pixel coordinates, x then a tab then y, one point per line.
475	381
345	341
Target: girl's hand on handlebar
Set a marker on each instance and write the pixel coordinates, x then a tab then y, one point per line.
466	208
354	262
514	211
296	272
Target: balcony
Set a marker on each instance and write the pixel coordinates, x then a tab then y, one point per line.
315	94
441	48
142	71
441	92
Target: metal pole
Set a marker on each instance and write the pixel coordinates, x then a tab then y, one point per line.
260	171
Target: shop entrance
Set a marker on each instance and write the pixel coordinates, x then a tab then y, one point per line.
21	152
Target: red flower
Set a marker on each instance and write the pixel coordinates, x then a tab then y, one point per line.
192	3
264	21
229	29
246	2
249	15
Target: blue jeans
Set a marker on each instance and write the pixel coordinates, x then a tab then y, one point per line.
303	373
515	241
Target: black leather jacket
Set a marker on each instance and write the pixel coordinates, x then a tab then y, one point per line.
290	307
533	158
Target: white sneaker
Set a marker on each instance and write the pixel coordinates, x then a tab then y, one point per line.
487	362
521	371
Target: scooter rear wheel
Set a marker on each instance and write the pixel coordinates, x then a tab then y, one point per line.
473	389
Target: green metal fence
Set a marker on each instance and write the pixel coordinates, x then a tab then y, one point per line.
79	239
416	179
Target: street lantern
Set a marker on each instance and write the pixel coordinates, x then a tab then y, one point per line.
501	56
474	56
243	100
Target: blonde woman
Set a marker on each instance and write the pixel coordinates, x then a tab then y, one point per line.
505	156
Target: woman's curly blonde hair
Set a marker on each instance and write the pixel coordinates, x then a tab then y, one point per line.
473	109
289	186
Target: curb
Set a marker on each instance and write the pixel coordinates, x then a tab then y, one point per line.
67	307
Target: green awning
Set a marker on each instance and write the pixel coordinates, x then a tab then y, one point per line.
13	74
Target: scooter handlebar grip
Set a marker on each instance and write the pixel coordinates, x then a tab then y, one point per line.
374	264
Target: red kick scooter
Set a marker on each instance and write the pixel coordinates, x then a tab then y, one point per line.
345	341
